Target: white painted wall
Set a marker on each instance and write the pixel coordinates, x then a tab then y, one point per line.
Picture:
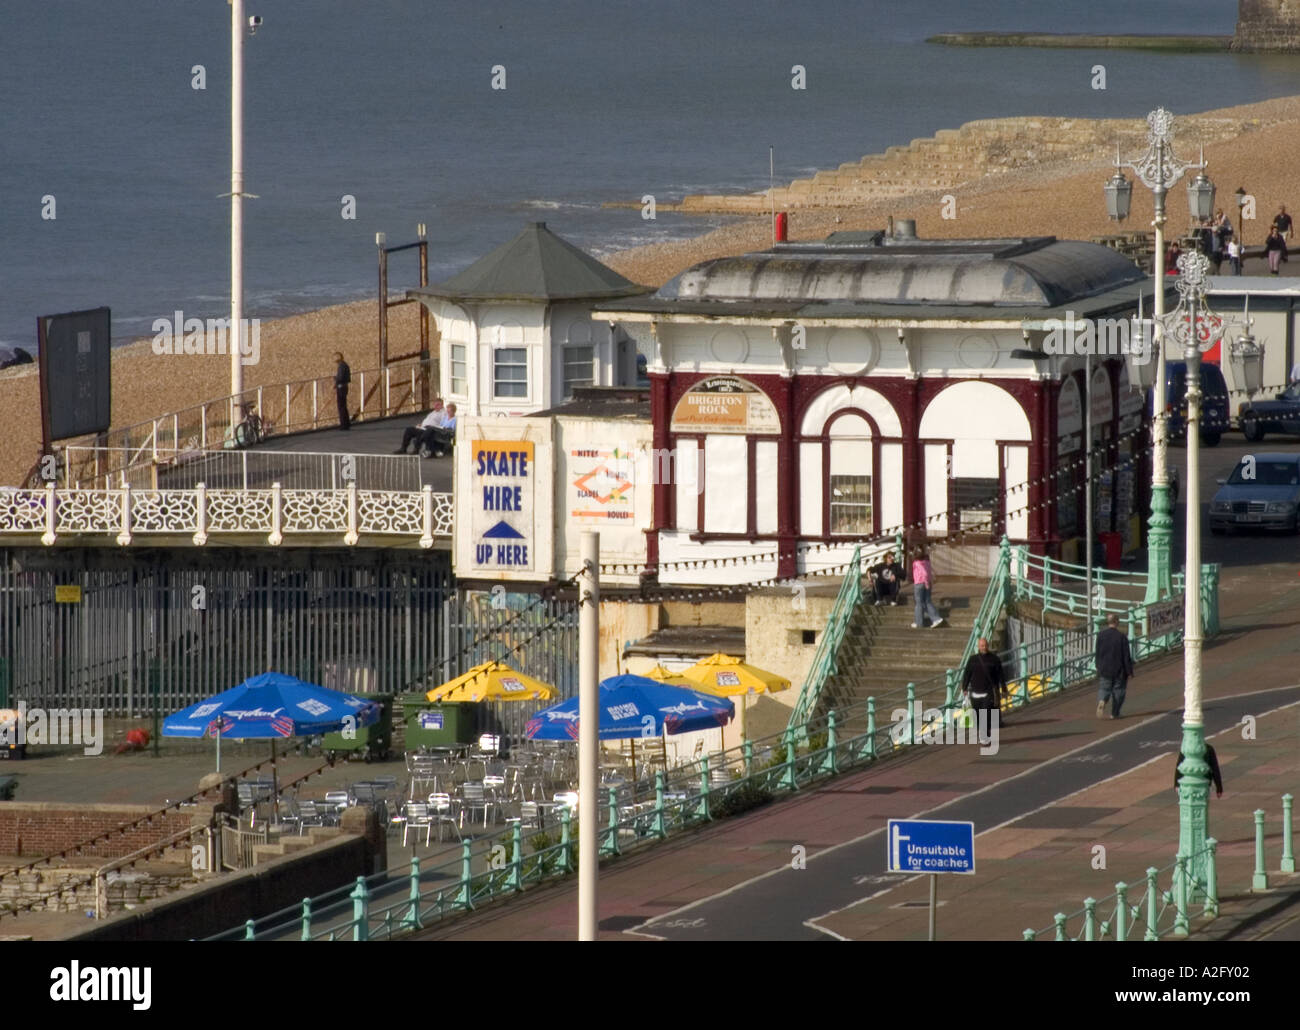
891	486
936	489
726	483
840	397
765	485
1017	499
676	546
686	476
810	489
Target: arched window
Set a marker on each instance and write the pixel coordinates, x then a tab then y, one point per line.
850	464
849	490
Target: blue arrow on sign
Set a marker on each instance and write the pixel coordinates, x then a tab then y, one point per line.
926	846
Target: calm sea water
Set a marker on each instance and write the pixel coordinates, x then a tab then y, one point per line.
390	101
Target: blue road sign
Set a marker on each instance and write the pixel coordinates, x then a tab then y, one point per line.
924	846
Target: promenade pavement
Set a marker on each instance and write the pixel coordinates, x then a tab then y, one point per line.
1079	783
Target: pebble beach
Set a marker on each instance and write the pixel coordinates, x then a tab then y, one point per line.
1058	200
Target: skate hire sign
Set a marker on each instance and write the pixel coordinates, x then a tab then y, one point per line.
502	478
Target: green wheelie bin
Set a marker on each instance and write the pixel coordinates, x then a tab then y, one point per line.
437	725
374	742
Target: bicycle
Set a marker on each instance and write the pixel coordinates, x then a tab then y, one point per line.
250	431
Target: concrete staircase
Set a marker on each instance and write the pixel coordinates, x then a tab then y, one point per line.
956	157
881	653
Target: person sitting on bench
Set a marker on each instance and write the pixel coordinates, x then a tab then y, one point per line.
442	438
436	418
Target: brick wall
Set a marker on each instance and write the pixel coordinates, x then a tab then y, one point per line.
37	829
1267	25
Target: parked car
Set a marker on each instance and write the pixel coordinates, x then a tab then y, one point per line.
1263	492
1214	402
1281	415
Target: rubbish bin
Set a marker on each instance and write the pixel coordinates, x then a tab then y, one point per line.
436	725
1114	544
374	741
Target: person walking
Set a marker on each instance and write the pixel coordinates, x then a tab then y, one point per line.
1275	249
1234	255
983	684
342	377
922	583
1114	667
1212	760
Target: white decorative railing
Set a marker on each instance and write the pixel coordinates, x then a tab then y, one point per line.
203	514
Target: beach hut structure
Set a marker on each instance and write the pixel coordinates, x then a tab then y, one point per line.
515	328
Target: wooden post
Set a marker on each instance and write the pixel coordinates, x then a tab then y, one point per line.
380	240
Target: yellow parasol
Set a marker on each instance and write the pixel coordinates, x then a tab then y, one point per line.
726	676
492	681
674	679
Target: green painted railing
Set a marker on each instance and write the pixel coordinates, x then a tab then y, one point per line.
1145	911
828	647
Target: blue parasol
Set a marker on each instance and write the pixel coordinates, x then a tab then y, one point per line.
271	706
634	706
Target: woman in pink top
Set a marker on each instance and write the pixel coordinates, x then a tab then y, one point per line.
922	581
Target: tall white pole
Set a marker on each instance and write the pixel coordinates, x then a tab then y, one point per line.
1087	488
235	337
588	732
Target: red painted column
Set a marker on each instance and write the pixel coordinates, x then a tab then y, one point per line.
787	482
1038	467
1047	496
913	465
661	502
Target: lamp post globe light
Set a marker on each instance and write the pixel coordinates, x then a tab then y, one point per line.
1193	326
1159	170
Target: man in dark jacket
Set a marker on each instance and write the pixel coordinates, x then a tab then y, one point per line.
1212	760
886	579
1114	667
342	376
983	683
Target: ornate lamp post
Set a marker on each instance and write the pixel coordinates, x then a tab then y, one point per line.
1158	169
1196	328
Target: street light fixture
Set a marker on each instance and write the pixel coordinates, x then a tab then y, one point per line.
1159	170
1241	215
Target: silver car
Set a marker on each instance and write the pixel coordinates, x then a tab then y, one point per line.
1263	492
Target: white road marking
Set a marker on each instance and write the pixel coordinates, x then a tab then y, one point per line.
640	930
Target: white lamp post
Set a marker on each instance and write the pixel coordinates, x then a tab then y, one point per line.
238	27
1158	169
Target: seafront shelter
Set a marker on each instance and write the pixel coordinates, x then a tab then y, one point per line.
818	394
515	328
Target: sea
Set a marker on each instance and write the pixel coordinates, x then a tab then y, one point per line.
392	103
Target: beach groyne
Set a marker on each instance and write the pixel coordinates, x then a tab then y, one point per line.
1075	41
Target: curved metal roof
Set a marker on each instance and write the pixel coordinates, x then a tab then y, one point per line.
1023	273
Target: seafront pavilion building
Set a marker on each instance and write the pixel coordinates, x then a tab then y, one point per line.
515	328
848	389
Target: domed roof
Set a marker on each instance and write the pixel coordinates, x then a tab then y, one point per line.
867	268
